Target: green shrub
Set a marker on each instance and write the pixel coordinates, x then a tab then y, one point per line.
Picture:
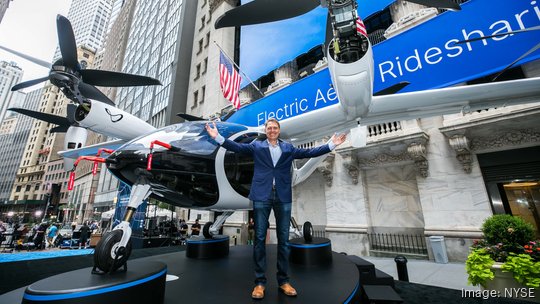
510	231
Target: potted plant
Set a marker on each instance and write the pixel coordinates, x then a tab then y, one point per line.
507	257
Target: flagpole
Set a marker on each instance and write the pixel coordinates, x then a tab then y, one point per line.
250	81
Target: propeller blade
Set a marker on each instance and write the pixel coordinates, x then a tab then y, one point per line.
447	4
116	79
37	61
261	11
60	129
29	83
392	89
533	49
50	118
92	92
66	39
188	117
534	28
70	111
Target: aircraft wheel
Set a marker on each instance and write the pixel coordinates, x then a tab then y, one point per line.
307	229
108	249
206	230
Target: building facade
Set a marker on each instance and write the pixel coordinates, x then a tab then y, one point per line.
13	138
10	75
89	20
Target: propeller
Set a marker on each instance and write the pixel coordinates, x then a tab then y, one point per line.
75	82
29	83
62	122
262	11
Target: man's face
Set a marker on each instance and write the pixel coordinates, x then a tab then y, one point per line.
272	130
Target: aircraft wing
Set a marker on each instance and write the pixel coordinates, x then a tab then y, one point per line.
451	100
93	149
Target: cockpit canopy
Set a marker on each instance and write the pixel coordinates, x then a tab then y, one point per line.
189	137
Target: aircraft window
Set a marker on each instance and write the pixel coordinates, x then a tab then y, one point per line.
190	137
239	167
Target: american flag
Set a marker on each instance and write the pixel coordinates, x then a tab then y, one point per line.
360	27
229	80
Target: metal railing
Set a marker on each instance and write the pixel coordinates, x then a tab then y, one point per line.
401	243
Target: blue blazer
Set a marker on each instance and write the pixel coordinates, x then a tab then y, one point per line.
265	172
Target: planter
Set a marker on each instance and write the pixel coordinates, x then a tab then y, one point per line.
507	286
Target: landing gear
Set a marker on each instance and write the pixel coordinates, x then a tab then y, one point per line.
210	229
206	230
307	230
114	249
109	255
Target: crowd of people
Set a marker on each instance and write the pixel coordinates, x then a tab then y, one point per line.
40	236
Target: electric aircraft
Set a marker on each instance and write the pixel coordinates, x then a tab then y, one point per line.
180	164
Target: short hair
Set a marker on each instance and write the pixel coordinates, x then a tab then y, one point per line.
272	119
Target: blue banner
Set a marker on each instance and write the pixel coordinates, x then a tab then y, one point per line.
426	56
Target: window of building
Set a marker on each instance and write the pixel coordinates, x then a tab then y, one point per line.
18	189
205	65
27	187
200	46
203	21
195	98
198	71
203	93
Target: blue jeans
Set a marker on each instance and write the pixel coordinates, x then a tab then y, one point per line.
282	213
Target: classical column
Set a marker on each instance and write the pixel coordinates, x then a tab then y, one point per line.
460	144
418	153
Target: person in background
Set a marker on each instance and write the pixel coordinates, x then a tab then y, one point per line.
85	235
196	228
51	234
251	231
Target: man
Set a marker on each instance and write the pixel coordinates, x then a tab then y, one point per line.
196	228
51	234
271	189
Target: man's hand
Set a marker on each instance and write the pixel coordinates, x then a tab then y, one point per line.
338	139
212	130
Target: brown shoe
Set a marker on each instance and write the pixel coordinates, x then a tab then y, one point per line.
258	292
288	290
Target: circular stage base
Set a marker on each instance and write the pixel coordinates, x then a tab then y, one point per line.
231	280
318	252
81	286
200	248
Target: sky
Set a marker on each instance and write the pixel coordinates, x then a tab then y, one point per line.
29	27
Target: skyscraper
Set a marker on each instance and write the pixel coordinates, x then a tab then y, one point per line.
10	75
89	20
12	143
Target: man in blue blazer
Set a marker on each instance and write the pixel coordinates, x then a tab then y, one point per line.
271	189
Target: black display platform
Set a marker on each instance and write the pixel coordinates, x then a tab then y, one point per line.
81	286
316	252
230	280
199	247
